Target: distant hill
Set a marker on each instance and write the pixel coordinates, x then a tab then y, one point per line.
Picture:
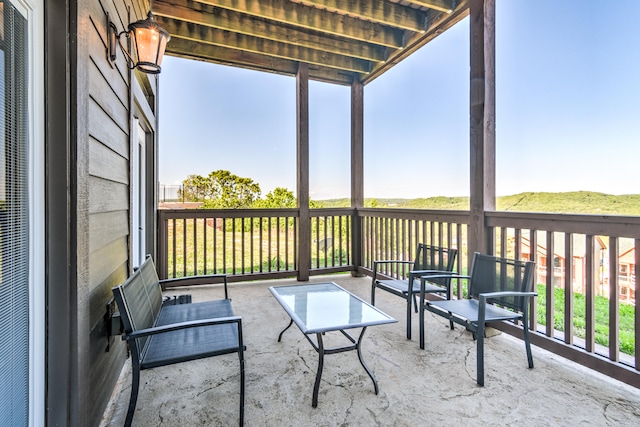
579	202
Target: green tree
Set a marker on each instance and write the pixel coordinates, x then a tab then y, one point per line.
194	189
278	198
229	191
221	190
372	203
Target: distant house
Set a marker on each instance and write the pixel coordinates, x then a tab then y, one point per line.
626	263
626	271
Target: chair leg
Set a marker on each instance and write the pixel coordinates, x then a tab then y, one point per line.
480	354
527	344
241	356
408	317
135	386
421	327
373	293
415	302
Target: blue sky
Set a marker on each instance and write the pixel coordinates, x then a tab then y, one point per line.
567	118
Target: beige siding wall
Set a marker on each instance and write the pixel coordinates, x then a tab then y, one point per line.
104	101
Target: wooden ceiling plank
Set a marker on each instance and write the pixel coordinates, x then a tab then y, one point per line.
189	31
439	22
224	56
382	12
299	15
236	22
446	6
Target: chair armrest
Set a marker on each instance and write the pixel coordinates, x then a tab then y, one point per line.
440	275
500	294
426	273
195	280
392	260
183	325
387	261
482	301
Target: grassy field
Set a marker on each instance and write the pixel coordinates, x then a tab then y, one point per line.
626	319
267	247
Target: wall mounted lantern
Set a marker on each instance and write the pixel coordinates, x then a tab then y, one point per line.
149	43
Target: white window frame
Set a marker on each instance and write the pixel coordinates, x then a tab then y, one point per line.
33	11
139	196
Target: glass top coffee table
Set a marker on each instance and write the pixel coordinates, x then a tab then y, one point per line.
325	307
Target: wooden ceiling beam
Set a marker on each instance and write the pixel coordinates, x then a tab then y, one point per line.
446	6
299	15
189	49
382	12
228	20
208	35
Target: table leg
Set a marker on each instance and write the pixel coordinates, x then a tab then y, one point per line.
364	365
316	386
284	330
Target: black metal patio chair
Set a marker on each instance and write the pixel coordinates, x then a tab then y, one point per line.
498	289
433	260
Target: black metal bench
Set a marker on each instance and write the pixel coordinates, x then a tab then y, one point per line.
498	289
160	334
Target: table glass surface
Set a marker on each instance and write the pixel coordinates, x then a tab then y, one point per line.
326	307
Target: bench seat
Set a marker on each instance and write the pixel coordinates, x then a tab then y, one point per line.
191	343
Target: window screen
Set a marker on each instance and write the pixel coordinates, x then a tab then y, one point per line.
14	219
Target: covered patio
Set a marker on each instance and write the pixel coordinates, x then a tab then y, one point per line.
99	169
435	386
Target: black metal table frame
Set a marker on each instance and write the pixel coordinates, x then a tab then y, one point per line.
321	350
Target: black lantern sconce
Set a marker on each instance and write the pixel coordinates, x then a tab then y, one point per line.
149	43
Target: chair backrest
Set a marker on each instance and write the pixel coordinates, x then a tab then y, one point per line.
494	274
435	258
139	300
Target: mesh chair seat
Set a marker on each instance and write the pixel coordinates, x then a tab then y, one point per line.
468	309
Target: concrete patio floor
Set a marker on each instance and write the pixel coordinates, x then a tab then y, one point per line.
431	387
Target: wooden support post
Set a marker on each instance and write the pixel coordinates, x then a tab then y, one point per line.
482	126
357	172
302	138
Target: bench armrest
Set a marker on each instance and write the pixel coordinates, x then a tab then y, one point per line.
183	325
196	280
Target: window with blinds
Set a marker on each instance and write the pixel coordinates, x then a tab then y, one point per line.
14	219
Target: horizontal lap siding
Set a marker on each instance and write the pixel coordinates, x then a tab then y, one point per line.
108	186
